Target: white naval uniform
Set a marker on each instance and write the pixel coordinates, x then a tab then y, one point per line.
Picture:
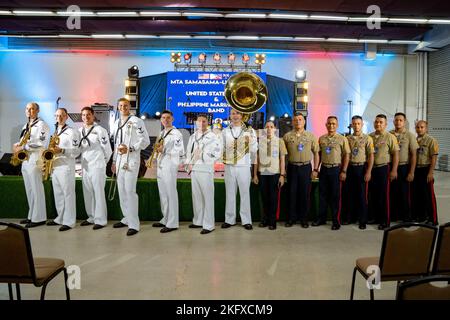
63	176
238	176
203	150
95	153
133	134
166	174
32	173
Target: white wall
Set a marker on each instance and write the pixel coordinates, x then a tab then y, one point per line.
81	78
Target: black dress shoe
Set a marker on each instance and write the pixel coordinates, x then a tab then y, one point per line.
382	226
248	226
272	227
305	224
288	224
34	224
335	226
362	226
64	228
318	223
205	231
158	225
226	225
131	232
85	223
25	221
97	226
194	226
262	225
119	225
52	223
165	230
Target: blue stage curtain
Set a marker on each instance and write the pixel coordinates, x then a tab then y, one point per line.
152	93
281	96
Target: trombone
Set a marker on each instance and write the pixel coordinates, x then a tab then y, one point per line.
113	185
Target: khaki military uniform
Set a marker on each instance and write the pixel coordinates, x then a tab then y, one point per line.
424	200
300	147
332	150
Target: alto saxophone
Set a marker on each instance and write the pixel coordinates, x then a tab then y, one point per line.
48	156
22	155
149	163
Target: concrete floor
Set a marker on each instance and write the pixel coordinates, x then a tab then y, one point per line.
289	263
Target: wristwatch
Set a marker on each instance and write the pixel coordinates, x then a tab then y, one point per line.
315	170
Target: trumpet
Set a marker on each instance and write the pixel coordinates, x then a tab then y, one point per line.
160	142
113	185
22	155
49	156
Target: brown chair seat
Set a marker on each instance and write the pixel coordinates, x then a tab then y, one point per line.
46	267
17	264
363	263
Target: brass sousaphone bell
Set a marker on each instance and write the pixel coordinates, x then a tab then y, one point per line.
247	93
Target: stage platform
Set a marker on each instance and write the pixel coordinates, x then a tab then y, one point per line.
14	203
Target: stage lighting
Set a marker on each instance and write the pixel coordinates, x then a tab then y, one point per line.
260	58
202	58
272	118
217	58
231	58
157	114
187	57
286	115
175	57
300	75
245	58
133	72
144	116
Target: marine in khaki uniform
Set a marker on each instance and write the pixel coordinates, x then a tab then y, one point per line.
302	147
269	172
383	172
424	197
401	187
359	172
334	158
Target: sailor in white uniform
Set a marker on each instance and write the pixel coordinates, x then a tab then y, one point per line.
63	175
170	151
236	138
31	172
203	149
95	154
130	137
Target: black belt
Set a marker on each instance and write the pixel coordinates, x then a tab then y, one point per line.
380	165
331	165
422	165
357	163
300	164
402	163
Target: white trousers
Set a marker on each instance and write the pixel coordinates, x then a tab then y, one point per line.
237	177
203	199
94	181
168	195
129	200
34	188
63	182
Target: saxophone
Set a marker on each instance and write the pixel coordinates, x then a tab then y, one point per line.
48	156
22	155
156	146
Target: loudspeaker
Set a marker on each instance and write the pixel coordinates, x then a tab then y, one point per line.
284	126
6	168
